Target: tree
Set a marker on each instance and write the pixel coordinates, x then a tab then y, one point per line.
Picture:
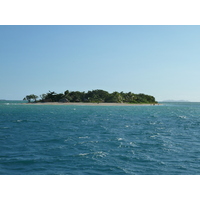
43	96
51	96
96	95
76	96
114	97
30	97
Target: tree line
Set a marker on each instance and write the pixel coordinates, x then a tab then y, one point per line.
94	96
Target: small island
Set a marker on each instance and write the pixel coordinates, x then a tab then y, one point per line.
95	96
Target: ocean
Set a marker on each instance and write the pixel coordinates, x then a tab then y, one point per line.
99	140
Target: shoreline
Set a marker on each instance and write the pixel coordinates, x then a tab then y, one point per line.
90	104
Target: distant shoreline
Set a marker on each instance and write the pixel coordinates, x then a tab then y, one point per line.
89	104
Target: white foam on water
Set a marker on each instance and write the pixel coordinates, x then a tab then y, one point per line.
182	117
133	152
4	128
84	137
93	141
83	154
133	144
100	154
155	135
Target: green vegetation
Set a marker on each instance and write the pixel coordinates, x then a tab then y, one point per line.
94	96
30	97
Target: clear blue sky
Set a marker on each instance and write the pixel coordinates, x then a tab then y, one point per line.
162	61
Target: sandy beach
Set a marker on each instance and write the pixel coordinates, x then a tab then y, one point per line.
90	104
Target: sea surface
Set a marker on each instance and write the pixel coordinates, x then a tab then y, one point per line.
99	140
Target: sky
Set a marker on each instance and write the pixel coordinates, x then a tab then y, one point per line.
162	61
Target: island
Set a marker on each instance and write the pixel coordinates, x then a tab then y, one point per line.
97	96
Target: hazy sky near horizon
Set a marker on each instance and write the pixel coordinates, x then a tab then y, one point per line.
162	61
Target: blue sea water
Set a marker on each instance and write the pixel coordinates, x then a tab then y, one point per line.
75	140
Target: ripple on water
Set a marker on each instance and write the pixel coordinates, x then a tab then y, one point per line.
100	140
